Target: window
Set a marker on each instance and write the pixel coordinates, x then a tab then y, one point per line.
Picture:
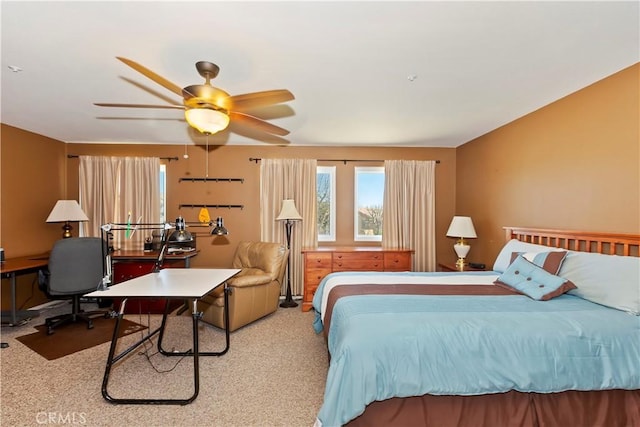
369	196
163	192
326	203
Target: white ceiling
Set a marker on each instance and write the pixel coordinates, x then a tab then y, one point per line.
477	65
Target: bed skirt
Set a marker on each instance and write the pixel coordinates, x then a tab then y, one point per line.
570	408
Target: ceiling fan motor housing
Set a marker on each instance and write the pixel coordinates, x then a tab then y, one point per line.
199	96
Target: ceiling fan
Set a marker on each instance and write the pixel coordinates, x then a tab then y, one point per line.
210	109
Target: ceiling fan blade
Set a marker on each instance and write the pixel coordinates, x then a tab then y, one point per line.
257	123
173	107
248	101
153	76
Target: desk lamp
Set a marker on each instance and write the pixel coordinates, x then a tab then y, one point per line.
179	237
219	229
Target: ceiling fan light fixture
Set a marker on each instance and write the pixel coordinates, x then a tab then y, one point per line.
206	120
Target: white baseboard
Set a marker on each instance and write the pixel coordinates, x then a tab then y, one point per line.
49	304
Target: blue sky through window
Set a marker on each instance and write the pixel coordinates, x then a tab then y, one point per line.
370	189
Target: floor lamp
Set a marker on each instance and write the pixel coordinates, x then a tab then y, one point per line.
288	214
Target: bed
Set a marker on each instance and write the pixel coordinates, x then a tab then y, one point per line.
489	348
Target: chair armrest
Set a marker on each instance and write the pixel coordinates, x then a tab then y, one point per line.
250	280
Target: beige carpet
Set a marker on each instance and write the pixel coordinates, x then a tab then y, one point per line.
273	375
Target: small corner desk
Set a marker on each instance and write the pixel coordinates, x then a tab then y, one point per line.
168	284
10	268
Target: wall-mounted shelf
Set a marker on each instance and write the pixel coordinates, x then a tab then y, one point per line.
213	179
188	205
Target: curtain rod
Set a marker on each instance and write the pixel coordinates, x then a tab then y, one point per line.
257	159
72	156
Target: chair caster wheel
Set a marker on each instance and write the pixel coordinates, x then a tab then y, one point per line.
50	331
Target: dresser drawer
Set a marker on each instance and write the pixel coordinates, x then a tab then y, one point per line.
313	276
358	265
400	261
309	293
317	260
357	256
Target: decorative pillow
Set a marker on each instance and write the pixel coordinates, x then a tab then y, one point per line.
549	261
504	257
533	281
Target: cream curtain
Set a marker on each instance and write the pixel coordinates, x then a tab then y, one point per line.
409	210
295	179
119	189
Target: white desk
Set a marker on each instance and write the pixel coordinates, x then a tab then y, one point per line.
170	283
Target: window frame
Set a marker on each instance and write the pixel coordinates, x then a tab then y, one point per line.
356	172
162	177
331	171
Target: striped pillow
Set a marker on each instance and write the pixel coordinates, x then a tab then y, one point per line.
549	261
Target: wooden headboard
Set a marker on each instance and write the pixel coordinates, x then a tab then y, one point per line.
582	241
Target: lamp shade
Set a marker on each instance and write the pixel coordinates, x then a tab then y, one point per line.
180	235
288	211
206	120
461	226
67	210
219	229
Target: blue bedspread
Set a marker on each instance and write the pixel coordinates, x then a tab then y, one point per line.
385	346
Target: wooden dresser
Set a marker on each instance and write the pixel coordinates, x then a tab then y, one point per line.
320	261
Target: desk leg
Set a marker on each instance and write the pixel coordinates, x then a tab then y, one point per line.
196	319
112	359
15	316
195	352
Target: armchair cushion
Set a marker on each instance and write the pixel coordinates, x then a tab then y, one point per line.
250	280
263	256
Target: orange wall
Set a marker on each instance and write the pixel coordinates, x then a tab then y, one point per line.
32	179
573	164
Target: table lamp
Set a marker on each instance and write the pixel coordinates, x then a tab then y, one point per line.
67	211
461	227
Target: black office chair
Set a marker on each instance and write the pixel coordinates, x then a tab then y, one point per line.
75	268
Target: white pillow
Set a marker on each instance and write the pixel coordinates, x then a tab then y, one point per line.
610	280
503	259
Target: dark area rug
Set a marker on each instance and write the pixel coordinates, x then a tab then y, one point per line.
75	337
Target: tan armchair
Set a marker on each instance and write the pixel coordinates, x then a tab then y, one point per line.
255	290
